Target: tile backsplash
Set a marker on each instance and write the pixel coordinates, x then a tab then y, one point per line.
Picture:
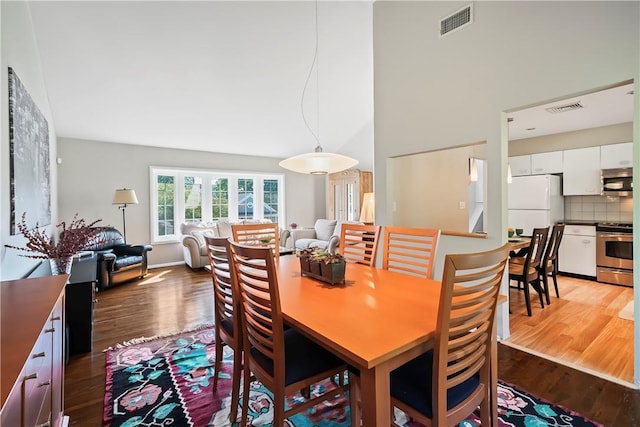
598	208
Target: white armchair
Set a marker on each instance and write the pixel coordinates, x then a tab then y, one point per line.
324	234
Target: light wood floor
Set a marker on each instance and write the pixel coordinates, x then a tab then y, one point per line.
581	328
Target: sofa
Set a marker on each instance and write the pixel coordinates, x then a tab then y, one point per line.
117	262
194	248
324	234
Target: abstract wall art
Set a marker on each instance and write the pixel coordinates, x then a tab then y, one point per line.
30	171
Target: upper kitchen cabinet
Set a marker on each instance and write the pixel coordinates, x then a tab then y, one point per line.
346	190
520	165
546	163
536	164
581	168
616	156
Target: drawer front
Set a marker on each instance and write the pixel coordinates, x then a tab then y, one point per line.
36	382
11	412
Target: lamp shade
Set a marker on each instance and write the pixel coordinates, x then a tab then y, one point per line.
125	196
368	211
318	163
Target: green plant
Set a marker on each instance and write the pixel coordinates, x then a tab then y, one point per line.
323	255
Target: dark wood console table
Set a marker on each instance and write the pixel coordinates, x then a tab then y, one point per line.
80	295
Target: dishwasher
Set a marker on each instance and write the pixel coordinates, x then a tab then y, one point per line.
577	252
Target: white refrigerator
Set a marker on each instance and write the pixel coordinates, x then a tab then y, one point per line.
535	201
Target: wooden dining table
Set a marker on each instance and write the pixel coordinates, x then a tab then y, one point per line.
376	321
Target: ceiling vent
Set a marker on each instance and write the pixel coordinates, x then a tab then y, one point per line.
456	21
565	108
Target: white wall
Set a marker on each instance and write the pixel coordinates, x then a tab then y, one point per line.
92	170
19	51
432	92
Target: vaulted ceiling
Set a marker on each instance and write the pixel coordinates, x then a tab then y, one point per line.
214	76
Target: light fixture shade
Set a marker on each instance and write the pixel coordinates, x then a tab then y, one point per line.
125	196
473	170
318	163
368	210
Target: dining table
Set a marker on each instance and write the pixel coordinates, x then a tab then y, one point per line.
376	321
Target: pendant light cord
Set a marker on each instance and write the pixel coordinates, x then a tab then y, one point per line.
316	135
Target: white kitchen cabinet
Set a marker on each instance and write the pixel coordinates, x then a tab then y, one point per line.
581	172
544	163
520	165
616	156
577	252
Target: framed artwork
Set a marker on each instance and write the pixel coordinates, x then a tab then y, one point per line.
29	168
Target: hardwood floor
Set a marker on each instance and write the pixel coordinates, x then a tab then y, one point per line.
175	298
582	328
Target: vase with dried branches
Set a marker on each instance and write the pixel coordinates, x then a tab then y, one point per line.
72	238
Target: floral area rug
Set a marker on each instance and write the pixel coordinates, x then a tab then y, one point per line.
168	381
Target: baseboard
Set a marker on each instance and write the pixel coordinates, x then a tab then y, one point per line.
168	264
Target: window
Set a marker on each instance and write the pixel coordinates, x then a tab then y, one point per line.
220	199
197	195
164	195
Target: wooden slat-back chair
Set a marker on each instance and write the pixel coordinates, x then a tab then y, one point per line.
549	264
226	316
266	235
284	361
526	272
359	243
445	385
410	250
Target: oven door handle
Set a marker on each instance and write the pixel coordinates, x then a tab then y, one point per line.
615	270
604	235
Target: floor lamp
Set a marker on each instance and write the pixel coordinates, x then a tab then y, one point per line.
124	197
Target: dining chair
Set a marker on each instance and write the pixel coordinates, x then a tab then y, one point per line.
359	243
549	265
443	386
526	272
226	316
284	361
267	235
410	250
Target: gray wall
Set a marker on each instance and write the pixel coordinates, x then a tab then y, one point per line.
92	170
432	92
19	51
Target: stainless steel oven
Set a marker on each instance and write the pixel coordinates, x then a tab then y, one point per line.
614	253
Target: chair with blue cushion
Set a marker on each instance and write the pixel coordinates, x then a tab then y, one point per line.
445	385
226	316
284	361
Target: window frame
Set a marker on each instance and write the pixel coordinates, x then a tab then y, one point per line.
208	177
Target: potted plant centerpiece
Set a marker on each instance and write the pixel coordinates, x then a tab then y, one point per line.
322	264
72	238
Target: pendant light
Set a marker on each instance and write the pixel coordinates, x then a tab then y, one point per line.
317	162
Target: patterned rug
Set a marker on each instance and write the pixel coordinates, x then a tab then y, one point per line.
167	381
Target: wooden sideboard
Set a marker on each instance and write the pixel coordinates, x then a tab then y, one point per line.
31	352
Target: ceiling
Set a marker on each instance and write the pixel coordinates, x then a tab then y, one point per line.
228	77
215	76
601	108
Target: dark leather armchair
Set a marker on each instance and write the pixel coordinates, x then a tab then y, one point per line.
117	261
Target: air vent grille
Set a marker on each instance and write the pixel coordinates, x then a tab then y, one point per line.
565	108
456	20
